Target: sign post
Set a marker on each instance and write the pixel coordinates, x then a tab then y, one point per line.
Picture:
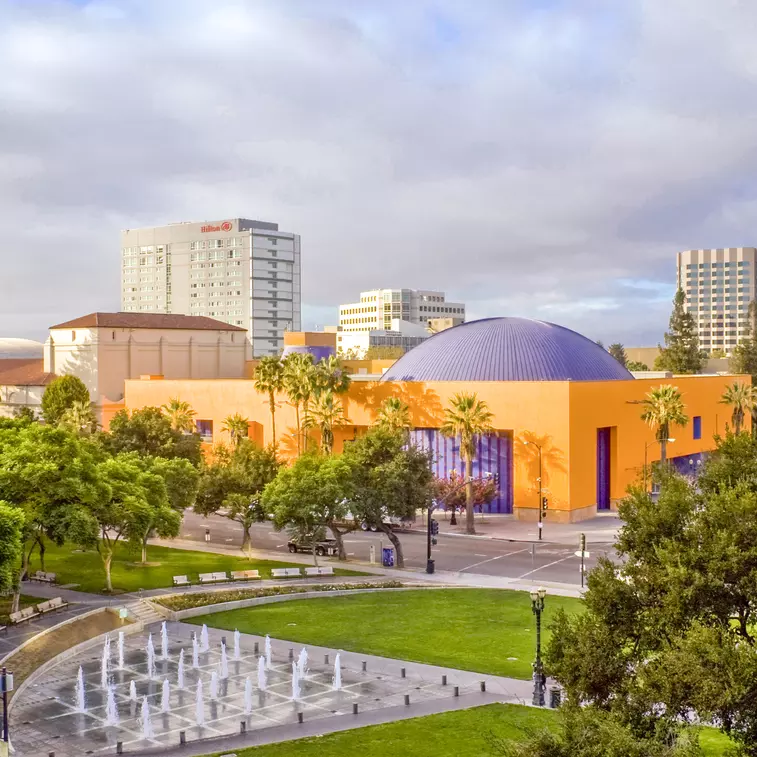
6	685
583	554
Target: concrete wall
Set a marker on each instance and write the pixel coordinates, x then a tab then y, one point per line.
13	398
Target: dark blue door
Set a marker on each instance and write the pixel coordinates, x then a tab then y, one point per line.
603	468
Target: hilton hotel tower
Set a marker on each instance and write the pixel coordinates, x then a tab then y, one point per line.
246	273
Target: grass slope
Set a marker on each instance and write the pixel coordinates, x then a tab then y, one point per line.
86	568
469	629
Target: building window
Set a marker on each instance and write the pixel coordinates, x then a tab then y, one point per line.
73	336
696	423
205	430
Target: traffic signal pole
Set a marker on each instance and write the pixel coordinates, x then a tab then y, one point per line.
429	561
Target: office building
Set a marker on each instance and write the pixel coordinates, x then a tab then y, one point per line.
379	307
246	273
719	284
402	334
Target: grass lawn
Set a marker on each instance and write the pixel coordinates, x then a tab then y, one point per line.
451	734
5	605
469	629
86	568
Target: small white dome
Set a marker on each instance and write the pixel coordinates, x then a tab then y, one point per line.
11	347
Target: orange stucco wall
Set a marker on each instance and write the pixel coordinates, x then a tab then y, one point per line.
562	417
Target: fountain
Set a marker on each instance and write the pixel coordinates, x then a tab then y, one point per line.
199	704
150	658
295	682
105	663
237	654
268	651
195	652
164	641
247	696
133	691
81	701
224	661
111	710
165	697
120	650
214	685
261	674
180	674
337	673
204	643
147	730
302	663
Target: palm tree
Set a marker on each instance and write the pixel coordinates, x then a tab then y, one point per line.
298	385
467	417
237	427
663	409
180	414
743	399
394	414
326	415
330	376
79	417
269	379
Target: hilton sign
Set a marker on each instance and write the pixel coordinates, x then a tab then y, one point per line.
225	226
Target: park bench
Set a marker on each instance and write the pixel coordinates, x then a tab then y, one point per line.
52	605
4	628
212	578
181	581
28	613
286	573
48	578
244	575
319	571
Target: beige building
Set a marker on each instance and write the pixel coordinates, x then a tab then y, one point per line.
22	384
719	284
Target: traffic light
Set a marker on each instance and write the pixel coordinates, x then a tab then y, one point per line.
544	506
434	527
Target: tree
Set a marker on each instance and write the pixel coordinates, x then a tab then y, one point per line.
330	376
233	483
299	382
394	414
663	408
635	365
180	414
310	495
742	398
681	353
237	427
149	432
744	355
467	417
269	379
452	492
391	479
618	351
326	415
11	545
384	352
79	418
61	393
25	414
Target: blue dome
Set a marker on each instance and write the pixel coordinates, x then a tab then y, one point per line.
507	349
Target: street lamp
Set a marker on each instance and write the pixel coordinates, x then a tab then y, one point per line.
540	503
646	448
540	680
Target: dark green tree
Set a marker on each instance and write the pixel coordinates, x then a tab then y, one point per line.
635	365
11	545
744	355
681	353
25	414
60	395
618	351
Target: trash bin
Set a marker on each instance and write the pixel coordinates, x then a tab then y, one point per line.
554	697
387	557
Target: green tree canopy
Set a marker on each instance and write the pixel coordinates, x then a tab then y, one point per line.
618	351
11	545
635	365
663	409
386	352
60	395
299	385
269	380
681	353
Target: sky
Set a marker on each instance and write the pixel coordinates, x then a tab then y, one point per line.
537	158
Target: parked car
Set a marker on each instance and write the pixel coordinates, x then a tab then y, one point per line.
305	544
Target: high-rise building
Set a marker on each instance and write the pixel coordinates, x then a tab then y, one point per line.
719	284
379	307
244	272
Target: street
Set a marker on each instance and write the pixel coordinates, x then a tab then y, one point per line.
490	557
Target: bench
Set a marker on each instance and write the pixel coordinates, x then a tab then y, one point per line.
52	605
181	581
28	613
244	575
3	628
48	578
286	573
212	578
319	571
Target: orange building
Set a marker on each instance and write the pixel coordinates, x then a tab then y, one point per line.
553	394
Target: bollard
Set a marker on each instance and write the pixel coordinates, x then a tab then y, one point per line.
457	691
483	686
291	654
402	673
242	727
444	680
325	659
299	717
256	648
354	709
223	640
365	666
182	737
119	747
407	698
51	754
554	697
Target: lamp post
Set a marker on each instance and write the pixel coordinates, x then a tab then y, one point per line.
540	680
647	445
540	503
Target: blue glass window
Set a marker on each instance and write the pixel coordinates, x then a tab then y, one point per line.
697	426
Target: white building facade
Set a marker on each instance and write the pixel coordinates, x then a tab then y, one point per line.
378	307
402	334
243	272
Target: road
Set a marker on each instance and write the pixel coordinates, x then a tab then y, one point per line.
490	557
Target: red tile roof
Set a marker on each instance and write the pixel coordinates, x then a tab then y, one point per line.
147	321
17	371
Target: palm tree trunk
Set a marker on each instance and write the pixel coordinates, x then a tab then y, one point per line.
299	433
469	522
272	402
663	449
738	415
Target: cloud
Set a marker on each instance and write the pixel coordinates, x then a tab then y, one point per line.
527	158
